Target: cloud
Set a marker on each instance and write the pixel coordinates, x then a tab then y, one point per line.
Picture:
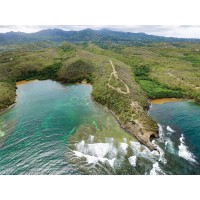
182	31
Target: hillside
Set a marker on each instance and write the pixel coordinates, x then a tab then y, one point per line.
124	77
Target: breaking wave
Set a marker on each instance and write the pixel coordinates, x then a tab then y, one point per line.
184	152
156	170
132	153
170	129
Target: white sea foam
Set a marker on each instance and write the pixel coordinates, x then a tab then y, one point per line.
160	128
182	138
101	149
123	147
136	146
161	158
96	152
111	161
78	154
142	151
80	145
93	159
132	160
170	129
161	132
169	145
159	153
184	152
156	170
155	155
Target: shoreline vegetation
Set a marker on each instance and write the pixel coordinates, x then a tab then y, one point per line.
124	80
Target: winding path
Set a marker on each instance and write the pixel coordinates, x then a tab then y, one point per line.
115	74
178	79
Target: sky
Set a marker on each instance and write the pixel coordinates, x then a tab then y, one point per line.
183	31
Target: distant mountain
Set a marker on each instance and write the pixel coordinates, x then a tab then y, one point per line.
87	35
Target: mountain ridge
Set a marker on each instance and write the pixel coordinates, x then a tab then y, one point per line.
86	35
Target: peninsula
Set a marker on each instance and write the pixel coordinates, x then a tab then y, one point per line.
125	73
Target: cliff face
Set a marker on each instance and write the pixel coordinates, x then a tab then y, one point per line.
144	136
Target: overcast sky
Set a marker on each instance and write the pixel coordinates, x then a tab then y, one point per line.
184	31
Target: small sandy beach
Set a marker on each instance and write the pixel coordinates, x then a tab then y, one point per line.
24	82
165	100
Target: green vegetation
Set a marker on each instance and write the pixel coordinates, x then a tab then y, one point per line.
149	71
49	72
76	71
7	95
67	48
161	69
157	91
153	88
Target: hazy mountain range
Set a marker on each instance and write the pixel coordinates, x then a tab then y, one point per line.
87	35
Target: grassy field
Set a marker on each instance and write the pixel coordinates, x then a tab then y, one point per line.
156	70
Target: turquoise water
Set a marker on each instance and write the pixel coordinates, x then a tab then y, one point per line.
179	124
34	132
58	129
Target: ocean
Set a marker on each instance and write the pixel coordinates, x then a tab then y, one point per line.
57	129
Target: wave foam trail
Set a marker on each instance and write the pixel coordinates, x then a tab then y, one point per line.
161	132
136	148
80	145
94	159
96	152
170	129
132	160
142	151
184	152
156	170
160	153
161	158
